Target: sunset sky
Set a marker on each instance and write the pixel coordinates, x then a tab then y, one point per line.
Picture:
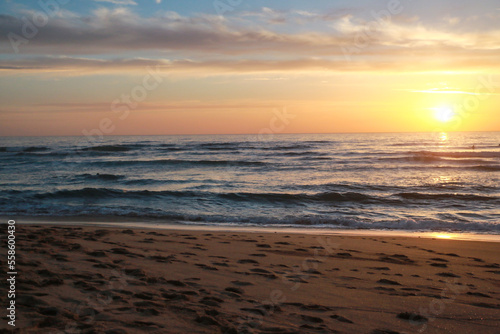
136	67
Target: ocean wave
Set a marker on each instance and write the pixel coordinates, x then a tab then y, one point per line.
327	197
171	148
413	158
99	176
112	148
28	149
395	189
307	154
319	142
461	154
414	144
486	168
319	157
287	197
249	146
36	149
145	182
447	196
237	196
43	154
102	193
356	197
226	146
209	163
159	217
303	198
483	158
271	147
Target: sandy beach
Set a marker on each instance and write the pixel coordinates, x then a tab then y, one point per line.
114	280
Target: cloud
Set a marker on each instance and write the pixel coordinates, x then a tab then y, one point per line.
270	16
99	107
72	42
88	66
120	2
117	30
450	91
415	35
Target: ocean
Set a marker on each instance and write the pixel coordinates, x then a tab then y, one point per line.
411	181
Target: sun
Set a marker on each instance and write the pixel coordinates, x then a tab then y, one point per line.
444	114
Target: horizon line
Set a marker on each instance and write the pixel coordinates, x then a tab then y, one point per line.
254	134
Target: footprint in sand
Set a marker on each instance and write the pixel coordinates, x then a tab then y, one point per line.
383	331
478	294
238	291
447	275
341	319
388	282
205	267
247	261
241	283
312	319
412	317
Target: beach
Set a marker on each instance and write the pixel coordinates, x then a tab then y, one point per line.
87	279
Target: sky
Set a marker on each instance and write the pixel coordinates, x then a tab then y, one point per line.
131	67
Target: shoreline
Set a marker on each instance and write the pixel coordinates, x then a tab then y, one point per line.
134	223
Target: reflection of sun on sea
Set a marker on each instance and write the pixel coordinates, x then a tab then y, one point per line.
443	236
442	180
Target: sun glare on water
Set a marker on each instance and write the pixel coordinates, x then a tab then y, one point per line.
444	114
443	236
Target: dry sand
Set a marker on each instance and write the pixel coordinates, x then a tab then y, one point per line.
115	280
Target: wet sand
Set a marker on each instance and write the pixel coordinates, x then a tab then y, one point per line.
115	280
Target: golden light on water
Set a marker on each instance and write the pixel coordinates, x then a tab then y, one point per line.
442	180
443	236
